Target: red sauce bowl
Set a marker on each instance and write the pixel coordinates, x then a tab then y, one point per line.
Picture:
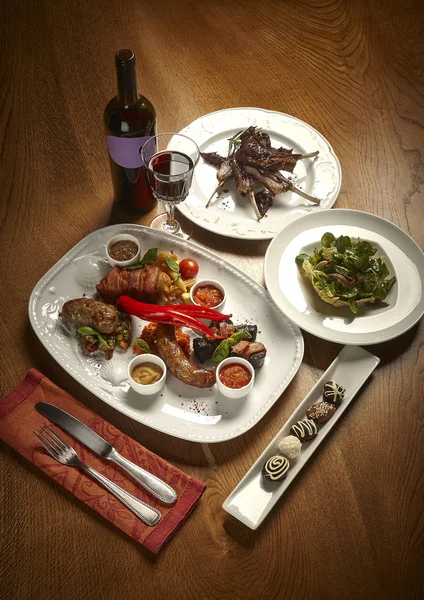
225	378
207	285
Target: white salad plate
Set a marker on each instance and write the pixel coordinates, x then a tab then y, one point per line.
253	498
295	296
230	214
187	412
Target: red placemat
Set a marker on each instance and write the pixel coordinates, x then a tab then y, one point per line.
18	419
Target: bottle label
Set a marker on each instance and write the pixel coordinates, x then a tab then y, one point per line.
126	151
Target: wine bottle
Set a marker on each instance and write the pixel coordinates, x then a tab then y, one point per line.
130	120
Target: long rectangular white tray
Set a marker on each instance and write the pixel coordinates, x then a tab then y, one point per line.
201	415
253	498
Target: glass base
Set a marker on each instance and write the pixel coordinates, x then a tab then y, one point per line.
182	227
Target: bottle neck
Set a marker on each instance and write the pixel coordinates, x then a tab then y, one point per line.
127	85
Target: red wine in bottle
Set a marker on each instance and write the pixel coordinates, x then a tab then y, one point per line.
130	120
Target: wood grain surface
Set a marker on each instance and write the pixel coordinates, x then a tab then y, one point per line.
351	526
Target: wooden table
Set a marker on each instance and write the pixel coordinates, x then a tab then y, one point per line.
352	524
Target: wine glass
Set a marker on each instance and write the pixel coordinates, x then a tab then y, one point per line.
170	159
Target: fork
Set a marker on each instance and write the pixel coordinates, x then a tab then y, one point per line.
65	454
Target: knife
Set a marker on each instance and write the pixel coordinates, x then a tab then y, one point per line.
97	444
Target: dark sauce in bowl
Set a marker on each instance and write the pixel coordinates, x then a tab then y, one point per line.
123	250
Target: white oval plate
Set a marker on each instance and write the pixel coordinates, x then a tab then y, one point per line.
297	299
201	415
230	214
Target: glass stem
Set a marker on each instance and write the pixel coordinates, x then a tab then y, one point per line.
171	225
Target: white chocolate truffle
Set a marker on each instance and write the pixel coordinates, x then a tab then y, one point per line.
290	446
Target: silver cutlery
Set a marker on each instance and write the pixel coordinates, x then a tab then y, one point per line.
66	455
97	444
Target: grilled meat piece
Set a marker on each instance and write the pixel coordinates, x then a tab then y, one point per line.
274	182
264	201
256	150
86	312
257	161
243	181
177	362
148	284
212	158
223	328
254	352
225	171
239	348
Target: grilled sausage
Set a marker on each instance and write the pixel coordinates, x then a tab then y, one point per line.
92	313
176	361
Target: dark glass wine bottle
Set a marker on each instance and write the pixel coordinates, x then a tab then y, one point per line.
130	120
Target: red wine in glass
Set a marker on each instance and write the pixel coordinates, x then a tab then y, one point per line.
170	175
170	160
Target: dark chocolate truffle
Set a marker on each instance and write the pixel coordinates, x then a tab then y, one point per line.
275	468
304	430
333	392
320	412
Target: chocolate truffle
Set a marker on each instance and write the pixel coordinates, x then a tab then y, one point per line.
320	412
333	392
290	446
275	468
304	430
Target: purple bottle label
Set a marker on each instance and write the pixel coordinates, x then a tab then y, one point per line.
126	151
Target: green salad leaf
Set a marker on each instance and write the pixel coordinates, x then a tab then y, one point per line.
148	259
345	272
223	349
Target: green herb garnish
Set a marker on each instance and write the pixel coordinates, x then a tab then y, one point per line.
235	141
223	349
174	266
84	331
142	345
148	259
346	272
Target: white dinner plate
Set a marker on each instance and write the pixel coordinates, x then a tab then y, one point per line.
294	294
230	214
187	412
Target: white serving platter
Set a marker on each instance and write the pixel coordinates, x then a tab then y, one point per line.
253	498
231	215
294	294
201	415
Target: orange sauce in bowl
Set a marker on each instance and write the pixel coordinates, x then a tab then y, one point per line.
208	295
235	376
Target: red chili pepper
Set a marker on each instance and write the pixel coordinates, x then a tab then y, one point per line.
162	314
202	312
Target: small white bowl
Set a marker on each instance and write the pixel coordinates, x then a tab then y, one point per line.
216	284
119	238
148	388
238	392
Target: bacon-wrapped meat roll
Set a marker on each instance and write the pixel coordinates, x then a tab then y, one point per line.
148	284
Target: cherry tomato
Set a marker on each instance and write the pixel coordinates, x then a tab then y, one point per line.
188	268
